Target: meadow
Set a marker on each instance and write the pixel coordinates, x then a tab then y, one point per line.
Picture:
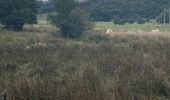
38	64
146	26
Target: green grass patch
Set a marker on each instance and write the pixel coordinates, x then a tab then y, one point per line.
146	26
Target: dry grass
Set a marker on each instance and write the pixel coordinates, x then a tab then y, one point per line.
131	66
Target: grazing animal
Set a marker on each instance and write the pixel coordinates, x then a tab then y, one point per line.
109	31
39	44
155	31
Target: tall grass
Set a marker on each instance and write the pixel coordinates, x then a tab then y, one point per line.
127	67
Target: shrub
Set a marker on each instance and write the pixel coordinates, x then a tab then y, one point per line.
71	20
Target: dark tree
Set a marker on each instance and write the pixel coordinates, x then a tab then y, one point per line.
15	13
127	11
71	20
45	6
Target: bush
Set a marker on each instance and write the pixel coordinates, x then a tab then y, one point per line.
71	20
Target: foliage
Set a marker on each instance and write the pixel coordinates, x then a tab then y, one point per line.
15	13
105	10
140	21
161	17
119	21
71	20
45	6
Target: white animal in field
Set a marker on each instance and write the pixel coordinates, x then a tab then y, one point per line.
39	44
155	31
109	31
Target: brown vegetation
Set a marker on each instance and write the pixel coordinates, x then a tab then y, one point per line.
128	67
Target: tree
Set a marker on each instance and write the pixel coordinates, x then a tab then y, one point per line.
45	6
71	20
164	17
127	10
15	13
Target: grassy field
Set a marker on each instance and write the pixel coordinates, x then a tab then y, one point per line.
146	27
38	64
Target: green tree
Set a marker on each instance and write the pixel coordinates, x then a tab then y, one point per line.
44	6
127	11
71	20
15	13
161	17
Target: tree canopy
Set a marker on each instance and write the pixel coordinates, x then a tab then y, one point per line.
15	13
45	6
106	10
71	20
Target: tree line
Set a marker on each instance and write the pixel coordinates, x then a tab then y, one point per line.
67	15
44	7
125	11
72	16
15	13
